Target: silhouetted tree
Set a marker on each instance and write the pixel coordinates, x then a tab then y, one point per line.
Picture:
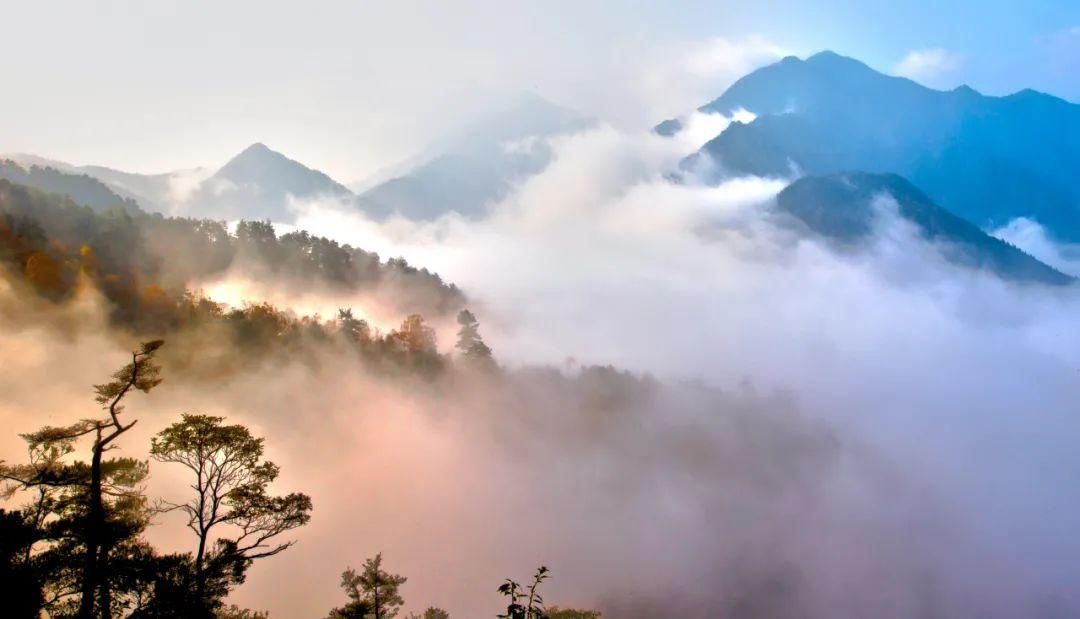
230	487
20	580
431	613
373	592
571	613
235	612
524	603
141	374
87	517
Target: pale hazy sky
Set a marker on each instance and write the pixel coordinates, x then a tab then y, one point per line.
350	86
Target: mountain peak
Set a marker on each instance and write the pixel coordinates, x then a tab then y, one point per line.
257	150
259	158
824	56
257	147
260	182
832	60
986	158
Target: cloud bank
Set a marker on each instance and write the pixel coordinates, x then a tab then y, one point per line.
962	381
828	434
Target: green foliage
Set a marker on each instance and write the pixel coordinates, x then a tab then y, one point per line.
141	374
470	344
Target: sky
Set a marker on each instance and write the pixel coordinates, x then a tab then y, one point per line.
923	377
351	87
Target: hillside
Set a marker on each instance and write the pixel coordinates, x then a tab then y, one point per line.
478	167
50	240
81	188
841	207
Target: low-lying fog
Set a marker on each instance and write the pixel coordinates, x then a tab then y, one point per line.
878	434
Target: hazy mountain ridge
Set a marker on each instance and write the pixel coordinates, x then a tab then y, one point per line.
987	159
257	184
463	173
158	192
81	188
841	207
477	167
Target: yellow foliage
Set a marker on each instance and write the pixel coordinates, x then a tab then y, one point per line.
44	273
153	294
89	260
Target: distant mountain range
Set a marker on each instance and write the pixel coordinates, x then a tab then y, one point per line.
469	172
465	173
81	188
986	159
956	162
844	208
152	192
844	130
256	184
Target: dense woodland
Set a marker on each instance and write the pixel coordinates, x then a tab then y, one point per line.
81	188
141	265
72	538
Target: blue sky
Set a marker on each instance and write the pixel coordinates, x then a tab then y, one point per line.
351	86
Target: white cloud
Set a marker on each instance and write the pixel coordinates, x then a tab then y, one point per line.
682	76
929	65
929	366
1031	237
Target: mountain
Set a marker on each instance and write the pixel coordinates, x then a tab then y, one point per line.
254	184
843	208
257	184
161	192
476	168
155	192
987	159
80	188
